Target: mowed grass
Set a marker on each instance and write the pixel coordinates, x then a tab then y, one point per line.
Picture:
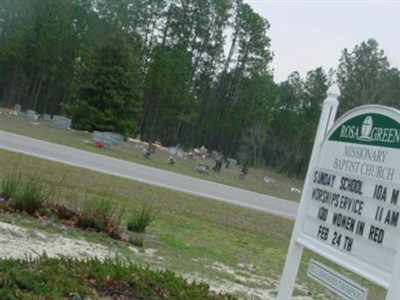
183	222
189	234
277	185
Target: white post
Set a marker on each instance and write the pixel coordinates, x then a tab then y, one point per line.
295	251
393	291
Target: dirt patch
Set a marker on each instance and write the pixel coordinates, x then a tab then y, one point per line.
21	243
243	281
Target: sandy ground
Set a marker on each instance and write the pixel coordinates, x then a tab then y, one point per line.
17	242
22	243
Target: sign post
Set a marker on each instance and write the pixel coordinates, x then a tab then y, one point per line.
295	252
350	207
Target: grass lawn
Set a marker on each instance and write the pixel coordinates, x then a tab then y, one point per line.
195	237
278	185
199	238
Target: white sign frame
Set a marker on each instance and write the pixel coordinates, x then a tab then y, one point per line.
387	279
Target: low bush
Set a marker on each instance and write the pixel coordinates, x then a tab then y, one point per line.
10	185
29	195
140	221
32	196
66	278
65	213
101	215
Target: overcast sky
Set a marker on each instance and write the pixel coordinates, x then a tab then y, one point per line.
308	34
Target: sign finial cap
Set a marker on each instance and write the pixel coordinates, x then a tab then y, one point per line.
333	91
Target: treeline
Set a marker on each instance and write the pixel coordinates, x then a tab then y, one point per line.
188	72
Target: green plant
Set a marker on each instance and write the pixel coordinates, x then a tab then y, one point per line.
101	215
31	195
94	279
11	184
140	221
190	233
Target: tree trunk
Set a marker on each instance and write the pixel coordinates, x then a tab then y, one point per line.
39	88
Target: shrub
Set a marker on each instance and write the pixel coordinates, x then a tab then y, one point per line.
32	196
140	221
64	278
10	185
27	195
101	215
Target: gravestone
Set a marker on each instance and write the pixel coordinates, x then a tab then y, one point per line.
232	162
31	115
108	139
176	151
46	118
17	108
61	122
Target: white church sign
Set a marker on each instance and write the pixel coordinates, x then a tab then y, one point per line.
350	206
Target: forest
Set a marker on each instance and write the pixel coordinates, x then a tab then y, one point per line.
184	72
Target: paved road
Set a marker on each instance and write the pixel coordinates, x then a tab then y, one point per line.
170	180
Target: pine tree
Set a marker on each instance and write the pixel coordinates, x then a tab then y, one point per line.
108	89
